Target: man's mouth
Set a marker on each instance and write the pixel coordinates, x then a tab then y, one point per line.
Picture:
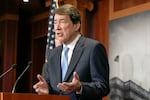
59	34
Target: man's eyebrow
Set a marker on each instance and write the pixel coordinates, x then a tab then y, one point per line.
55	20
62	19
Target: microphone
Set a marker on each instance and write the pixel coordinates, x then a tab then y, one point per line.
11	68
28	65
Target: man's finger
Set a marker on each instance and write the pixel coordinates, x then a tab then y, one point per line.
75	75
40	78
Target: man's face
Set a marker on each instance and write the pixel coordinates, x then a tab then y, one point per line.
65	30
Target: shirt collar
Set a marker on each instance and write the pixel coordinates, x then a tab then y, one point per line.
73	43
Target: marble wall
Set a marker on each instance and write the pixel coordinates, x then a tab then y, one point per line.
129	53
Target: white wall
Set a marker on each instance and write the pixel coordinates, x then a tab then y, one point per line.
129	54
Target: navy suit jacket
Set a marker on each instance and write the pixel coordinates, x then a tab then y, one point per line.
89	60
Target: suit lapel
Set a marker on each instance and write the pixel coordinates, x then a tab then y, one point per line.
57	68
75	57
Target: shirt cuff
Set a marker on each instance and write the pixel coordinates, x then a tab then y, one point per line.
80	92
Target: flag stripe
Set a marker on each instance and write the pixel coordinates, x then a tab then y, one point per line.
51	34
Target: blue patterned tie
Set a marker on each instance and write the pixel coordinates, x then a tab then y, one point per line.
64	62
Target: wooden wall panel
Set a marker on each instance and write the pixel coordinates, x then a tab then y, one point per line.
123	4
39	38
40	25
122	8
9	51
100	23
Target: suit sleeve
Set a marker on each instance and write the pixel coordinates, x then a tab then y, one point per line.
99	70
45	75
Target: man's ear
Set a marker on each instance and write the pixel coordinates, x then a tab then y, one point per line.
77	26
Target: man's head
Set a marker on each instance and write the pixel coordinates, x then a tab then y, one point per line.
71	11
67	21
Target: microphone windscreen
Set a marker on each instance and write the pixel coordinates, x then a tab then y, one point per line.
14	66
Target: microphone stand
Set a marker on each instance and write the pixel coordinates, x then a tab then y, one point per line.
29	64
12	67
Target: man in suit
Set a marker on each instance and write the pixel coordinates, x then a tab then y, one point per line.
87	76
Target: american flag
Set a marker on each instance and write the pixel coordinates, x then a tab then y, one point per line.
51	34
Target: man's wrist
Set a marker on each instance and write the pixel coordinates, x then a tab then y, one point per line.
79	89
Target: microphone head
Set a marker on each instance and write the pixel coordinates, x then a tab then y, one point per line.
14	66
29	62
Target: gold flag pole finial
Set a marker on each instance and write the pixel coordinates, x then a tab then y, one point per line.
57	5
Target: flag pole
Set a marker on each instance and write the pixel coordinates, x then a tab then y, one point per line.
57	3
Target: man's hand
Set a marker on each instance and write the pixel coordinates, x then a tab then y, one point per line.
41	87
75	85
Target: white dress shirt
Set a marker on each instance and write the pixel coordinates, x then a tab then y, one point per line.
71	47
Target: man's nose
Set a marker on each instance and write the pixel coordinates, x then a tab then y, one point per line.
57	26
